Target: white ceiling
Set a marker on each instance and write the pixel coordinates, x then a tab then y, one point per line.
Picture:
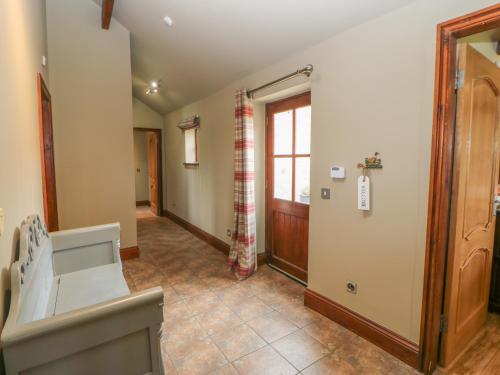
215	42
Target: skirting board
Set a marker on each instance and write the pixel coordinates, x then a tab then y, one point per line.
207	237
142	203
389	341
129	253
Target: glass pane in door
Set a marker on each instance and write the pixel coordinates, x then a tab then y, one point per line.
283	178
303	130
283	133
302	180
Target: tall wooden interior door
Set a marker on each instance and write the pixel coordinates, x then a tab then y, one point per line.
47	156
472	220
153	171
288	140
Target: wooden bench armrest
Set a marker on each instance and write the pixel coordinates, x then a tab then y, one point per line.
151	301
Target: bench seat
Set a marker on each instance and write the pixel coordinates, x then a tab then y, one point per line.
71	310
89	287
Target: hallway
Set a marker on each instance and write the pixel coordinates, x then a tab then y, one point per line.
216	325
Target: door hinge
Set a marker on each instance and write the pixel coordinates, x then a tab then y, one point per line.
443	324
459	79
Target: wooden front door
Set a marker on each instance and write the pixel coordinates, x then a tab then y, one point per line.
472	220
153	171
288	124
47	156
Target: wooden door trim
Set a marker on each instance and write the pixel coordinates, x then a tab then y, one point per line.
279	106
48	180
441	174
160	166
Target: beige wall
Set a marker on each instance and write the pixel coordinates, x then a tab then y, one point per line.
489	50
141	169
22	42
91	86
144	116
366	97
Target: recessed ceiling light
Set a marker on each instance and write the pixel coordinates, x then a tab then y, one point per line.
168	21
154	84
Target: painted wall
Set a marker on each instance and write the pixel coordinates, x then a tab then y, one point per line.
489	50
366	97
141	169
91	87
144	116
20	180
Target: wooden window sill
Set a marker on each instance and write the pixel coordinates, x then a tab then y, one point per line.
191	164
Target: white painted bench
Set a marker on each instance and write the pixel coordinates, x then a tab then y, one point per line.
71	311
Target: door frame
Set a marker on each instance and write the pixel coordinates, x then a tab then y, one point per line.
47	158
159	166
440	184
269	180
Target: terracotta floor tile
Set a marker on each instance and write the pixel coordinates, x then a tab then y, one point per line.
249	308
225	370
220	319
300	349
190	288
238	341
299	314
332	335
203	358
202	303
176	311
143	283
274	298
170	296
265	361
188	329
272	327
332	365
234	294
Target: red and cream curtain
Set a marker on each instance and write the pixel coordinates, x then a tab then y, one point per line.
243	254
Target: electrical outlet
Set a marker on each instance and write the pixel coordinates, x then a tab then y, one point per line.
229	233
352	287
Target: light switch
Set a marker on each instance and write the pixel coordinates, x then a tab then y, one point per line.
2	222
325	193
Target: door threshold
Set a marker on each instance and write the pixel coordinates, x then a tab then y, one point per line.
287	274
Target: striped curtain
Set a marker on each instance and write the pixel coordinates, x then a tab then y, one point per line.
243	253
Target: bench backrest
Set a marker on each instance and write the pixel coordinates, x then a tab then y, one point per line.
32	275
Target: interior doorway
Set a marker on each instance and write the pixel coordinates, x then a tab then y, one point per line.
461	245
288	154
472	213
148	170
47	156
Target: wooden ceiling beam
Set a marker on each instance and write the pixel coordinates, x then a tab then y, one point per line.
107	12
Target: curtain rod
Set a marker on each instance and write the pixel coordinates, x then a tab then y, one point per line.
307	70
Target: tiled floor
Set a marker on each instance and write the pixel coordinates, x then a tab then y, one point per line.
216	325
144	212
